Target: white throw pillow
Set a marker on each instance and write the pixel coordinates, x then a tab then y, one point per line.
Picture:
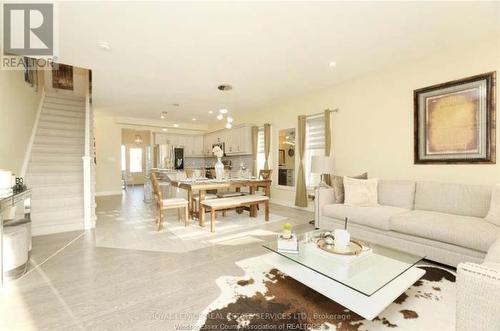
361	192
494	213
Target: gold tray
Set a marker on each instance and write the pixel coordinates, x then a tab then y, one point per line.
354	248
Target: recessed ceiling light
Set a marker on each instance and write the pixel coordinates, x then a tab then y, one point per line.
104	45
220	117
332	64
223	111
229	125
176	125
193	119
230	120
210	111
164	129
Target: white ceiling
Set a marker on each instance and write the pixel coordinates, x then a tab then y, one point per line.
170	52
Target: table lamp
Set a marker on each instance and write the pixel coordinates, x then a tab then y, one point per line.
322	165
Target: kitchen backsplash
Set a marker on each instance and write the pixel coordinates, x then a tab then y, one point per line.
208	162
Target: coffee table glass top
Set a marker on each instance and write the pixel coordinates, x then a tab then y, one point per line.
366	274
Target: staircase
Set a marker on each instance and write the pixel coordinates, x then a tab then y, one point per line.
55	168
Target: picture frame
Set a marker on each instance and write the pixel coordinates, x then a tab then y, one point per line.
62	76
454	122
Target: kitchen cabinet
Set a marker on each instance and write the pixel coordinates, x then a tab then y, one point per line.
238	141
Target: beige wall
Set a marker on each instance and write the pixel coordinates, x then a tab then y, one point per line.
18	108
108	141
374	129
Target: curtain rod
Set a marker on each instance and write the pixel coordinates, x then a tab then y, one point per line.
335	110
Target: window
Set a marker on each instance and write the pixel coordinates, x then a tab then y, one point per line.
135	160
123	156
315	145
261	158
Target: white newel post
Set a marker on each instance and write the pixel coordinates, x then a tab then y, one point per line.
87	169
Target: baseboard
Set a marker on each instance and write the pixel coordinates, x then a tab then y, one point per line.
27	154
291	204
106	193
51	229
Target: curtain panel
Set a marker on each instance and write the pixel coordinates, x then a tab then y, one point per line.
301	190
267	144
255	142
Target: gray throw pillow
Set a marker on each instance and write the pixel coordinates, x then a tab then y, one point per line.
338	186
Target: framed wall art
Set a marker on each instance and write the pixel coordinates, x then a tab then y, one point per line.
454	122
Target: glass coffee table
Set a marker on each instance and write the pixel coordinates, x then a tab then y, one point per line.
366	285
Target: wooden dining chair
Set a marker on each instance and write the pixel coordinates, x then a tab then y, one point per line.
165	204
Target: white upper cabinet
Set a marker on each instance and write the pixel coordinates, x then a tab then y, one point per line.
238	141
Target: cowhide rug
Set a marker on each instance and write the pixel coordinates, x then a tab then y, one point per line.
266	299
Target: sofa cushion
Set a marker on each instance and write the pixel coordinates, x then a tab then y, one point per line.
469	232
465	200
375	217
396	193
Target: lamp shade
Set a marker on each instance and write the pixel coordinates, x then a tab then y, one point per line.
321	164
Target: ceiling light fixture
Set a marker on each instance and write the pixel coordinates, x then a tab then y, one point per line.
138	139
163	115
229	125
176	125
103	45
332	64
164	129
229	119
223	111
210	111
175	105
193	119
220	117
224	87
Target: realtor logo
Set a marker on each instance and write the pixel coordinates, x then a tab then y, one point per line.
28	29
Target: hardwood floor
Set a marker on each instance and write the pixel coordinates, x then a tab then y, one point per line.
71	284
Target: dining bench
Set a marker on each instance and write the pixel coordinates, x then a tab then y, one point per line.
215	205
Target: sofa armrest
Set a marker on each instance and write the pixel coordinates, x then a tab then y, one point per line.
478	295
493	252
323	196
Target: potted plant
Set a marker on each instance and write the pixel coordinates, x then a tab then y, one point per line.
287	231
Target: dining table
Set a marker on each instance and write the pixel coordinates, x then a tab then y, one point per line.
204	185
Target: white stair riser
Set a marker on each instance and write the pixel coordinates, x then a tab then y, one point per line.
55	168
60	119
72	102
48	158
41	192
64	97
34	180
61	133
61	125
53	149
80	108
49	140
62	113
57	203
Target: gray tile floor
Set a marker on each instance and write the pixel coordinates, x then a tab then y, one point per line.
73	285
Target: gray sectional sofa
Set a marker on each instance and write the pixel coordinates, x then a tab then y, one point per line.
443	221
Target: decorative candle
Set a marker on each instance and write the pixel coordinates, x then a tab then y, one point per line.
342	238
